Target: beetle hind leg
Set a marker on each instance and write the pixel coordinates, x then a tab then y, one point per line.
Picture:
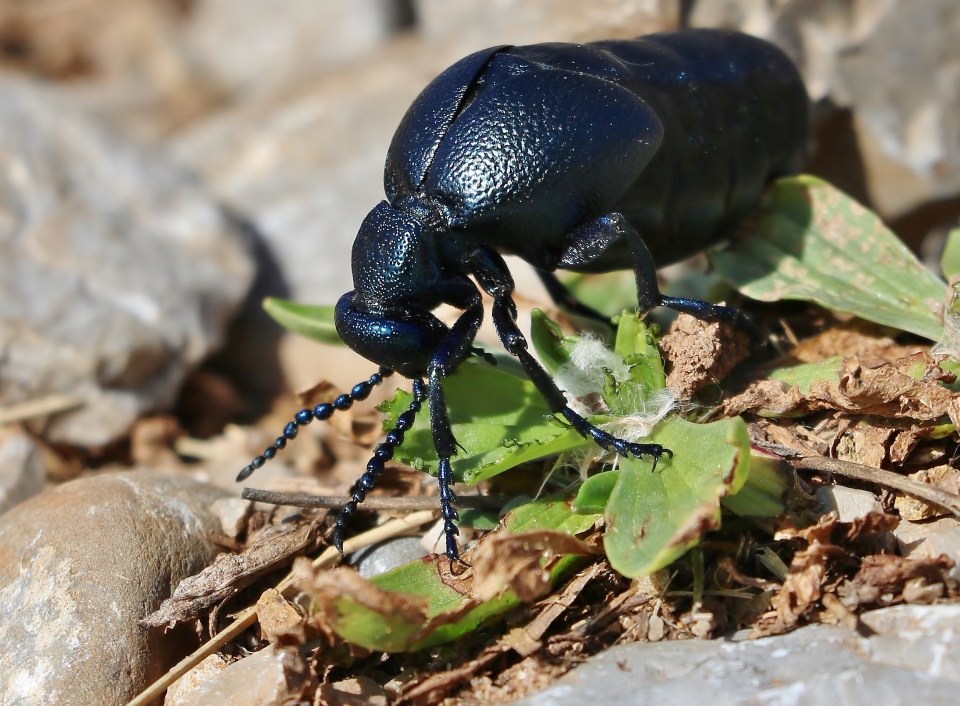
564	299
649	295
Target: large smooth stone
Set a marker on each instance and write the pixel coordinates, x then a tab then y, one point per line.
80	565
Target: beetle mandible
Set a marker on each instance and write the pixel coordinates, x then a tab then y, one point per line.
590	158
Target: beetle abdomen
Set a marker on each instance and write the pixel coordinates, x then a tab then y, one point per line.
680	132
735	115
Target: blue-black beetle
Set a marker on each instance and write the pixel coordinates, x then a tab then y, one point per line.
591	158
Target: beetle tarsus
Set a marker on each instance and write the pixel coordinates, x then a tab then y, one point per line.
713	312
487	357
609	442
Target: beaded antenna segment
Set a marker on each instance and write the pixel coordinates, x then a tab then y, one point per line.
381	454
322	411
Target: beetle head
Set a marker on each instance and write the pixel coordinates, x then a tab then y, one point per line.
394	257
387	318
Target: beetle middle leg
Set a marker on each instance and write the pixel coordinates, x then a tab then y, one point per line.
492	274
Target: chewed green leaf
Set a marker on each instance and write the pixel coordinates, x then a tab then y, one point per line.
802	375
637	345
314	322
814	243
411	608
499	419
653	517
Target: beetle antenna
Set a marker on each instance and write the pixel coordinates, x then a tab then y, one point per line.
381	454
322	411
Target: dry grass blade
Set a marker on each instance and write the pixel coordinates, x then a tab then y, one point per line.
248	616
41	407
402	504
888	479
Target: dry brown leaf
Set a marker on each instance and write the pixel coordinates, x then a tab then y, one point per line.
876	388
854	338
883	579
905	441
804	584
325	586
864	443
520	562
279	619
228	574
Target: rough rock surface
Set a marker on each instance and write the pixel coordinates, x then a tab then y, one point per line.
117	271
270	677
907	130
22	473
80	565
913	652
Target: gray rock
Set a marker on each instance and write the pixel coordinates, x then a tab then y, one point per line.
305	167
305	164
528	21
849	503
22	473
242	49
928	540
912	658
80	565
117	271
270	677
387	555
895	65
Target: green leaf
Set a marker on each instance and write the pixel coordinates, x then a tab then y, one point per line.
653	517
950	261
411	608
550	513
553	347
763	493
802	375
812	242
314	322
608	293
499	419
595	492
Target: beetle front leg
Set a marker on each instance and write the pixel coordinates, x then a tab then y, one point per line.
456	345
